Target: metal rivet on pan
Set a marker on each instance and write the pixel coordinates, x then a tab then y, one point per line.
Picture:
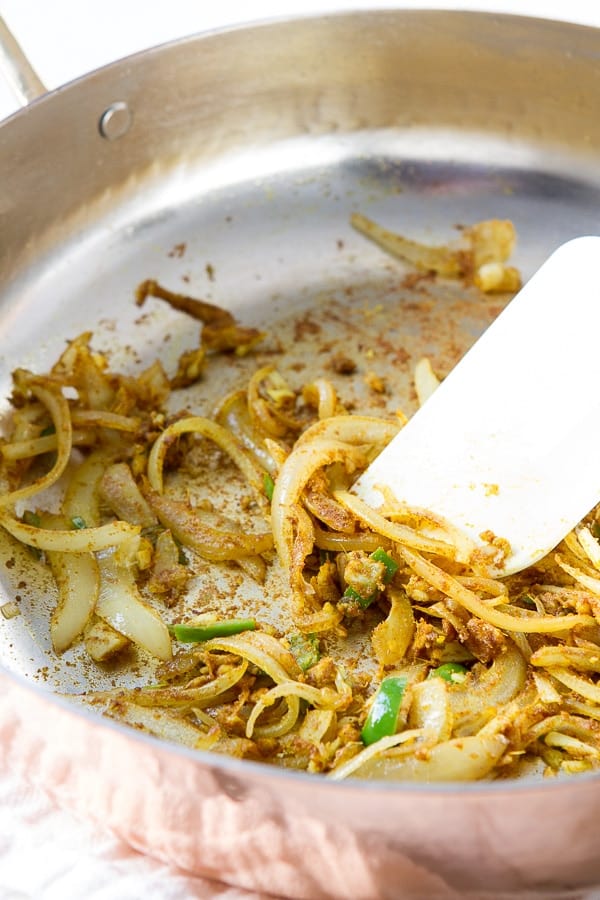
115	121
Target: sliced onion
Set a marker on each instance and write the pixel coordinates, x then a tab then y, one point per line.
590	582
565	723
58	408
176	697
321	393
69	541
321	505
393	530
367	540
585	659
442	259
266	652
121	493
293	477
571	745
81	495
266	417
364	757
392	637
459	759
470	600
261	650
101	418
120	604
254	566
367	431
319	726
586	689
320	697
427	523
188	526
426	381
162	723
78	581
590	545
284	724
546	689
233	414
325	619
209	429
481	695
24	449
430	709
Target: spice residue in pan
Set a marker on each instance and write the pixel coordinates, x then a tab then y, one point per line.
282	619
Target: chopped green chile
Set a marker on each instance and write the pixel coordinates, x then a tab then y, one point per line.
189	634
305	648
352	596
451	672
269	486
391	566
31	518
382	719
78	522
379	555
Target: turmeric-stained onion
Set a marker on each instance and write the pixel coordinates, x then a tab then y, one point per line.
293	477
187	525
58	408
209	429
459	759
120	604
69	541
470	600
78	580
394	531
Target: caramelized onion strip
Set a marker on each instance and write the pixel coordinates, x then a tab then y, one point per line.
457	591
293	477
58	409
394	531
72	540
208	429
319	697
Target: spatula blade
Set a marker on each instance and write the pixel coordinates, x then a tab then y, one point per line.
510	441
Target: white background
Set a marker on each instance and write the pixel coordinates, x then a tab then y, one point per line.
45	853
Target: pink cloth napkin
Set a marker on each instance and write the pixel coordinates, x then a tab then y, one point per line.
47	853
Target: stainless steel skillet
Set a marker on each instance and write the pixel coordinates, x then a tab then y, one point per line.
233	161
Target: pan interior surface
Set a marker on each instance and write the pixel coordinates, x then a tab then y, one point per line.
258	222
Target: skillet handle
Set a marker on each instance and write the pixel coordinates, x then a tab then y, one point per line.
16	68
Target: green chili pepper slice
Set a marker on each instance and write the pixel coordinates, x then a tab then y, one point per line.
189	634
452	672
78	522
383	715
305	648
391	567
31	518
268	486
352	596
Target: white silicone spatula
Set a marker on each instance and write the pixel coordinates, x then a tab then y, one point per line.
510	441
